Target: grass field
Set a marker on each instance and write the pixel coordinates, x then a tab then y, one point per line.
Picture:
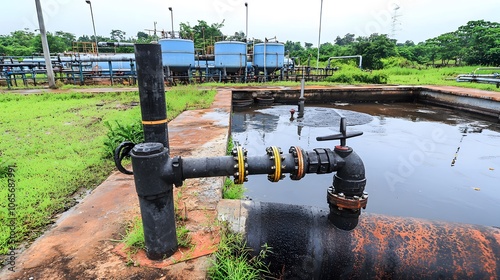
444	76
433	76
56	143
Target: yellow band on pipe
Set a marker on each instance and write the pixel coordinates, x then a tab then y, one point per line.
155	122
241	165
277	163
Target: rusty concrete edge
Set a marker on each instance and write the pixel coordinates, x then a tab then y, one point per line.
454	90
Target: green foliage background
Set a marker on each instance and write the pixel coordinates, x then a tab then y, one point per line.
475	43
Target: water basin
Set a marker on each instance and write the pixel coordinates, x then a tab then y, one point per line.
421	160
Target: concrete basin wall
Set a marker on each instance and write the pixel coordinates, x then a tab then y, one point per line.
471	100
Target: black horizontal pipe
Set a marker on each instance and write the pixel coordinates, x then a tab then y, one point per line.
207	167
305	245
225	166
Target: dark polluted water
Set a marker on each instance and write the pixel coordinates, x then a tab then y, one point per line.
421	161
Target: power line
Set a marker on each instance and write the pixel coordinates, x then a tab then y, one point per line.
395	22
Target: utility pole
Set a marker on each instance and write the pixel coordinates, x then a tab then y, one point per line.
93	25
172	19
319	35
45	46
246	25
156	37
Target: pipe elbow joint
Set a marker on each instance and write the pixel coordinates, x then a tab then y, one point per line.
347	195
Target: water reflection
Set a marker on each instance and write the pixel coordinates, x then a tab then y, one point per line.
407	150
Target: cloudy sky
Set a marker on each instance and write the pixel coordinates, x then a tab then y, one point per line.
417	20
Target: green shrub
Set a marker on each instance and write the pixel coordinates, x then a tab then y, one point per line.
132	132
398	61
351	75
134	236
183	238
232	190
233	259
4	168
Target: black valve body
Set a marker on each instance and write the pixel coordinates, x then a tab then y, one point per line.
349	181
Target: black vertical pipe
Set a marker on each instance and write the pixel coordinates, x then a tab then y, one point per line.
155	195
152	93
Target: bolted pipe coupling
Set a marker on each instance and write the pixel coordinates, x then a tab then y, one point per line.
276	155
347	196
241	167
299	160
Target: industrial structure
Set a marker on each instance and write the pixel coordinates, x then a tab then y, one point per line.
224	61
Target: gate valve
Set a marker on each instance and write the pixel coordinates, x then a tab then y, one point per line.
343	135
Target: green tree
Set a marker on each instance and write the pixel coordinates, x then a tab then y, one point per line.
348	39
478	40
18	43
373	49
84	38
202	34
431	47
56	44
117	35
238	36
448	47
66	38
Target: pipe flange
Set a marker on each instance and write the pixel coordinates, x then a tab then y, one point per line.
177	171
298	156
276	155
341	201
241	167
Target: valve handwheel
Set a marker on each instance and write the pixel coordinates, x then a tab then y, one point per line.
343	135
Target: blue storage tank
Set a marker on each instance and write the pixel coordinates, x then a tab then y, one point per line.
231	55
177	54
274	54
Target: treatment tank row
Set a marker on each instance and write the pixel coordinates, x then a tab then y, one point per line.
179	55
